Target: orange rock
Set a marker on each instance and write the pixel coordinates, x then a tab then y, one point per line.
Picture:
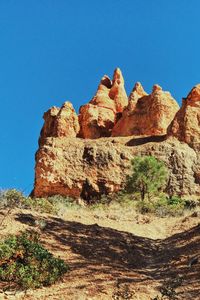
49	123
60	122
90	168
99	116
96	121
186	124
146	114
137	92
117	91
78	167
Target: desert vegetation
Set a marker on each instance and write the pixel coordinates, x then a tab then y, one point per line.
26	263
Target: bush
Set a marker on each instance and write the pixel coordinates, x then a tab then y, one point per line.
162	206
58	200
42	205
149	176
10	198
173	206
144	207
26	263
56	204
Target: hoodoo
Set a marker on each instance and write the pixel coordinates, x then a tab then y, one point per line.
89	155
186	124
146	115
60	122
98	117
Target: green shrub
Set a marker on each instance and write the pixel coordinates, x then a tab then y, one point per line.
144	207
162	206
175	201
173	206
10	198
42	205
58	200
25	262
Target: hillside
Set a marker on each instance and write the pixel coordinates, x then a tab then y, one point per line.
115	254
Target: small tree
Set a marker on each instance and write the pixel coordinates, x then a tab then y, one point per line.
149	176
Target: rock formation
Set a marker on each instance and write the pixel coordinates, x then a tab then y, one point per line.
60	122
146	114
186	124
78	163
99	116
90	168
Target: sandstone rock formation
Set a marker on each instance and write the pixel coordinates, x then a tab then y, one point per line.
90	168
85	161
99	116
60	122
146	114
186	124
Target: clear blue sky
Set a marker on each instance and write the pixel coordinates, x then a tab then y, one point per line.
57	50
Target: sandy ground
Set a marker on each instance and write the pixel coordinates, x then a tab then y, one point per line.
115	255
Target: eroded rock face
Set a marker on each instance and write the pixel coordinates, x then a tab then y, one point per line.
90	168
85	161
99	116
60	122
146	114
186	124
96	121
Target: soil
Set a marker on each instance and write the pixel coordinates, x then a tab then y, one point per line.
115	256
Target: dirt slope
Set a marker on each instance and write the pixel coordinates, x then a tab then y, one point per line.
108	262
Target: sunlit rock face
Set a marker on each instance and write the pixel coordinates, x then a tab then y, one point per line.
98	117
186	124
90	168
146	114
60	122
89	155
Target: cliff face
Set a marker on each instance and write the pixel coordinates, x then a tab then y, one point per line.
90	168
89	155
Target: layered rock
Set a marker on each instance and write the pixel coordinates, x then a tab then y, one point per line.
60	122
146	114
186	124
99	116
90	168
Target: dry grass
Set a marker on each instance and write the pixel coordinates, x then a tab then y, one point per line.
113	251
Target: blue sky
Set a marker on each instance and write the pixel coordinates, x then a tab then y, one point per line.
57	50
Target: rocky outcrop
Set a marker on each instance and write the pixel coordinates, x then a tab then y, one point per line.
186	124
90	168
60	122
86	161
99	116
146	114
